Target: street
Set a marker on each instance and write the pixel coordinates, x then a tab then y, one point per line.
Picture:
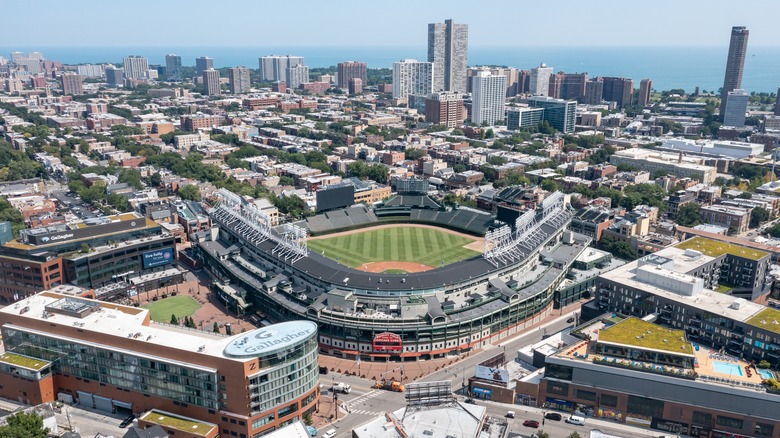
365	403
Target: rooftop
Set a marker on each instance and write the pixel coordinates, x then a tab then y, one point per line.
767	319
183	424
638	333
24	361
715	248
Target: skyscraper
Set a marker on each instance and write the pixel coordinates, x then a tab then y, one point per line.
296	75
203	63
488	93
135	67
736	107
594	91
618	90
211	82
540	80
448	46
239	80
645	85
412	77
351	70
273	68
71	84
355	86
573	86
173	67
734	64
777	103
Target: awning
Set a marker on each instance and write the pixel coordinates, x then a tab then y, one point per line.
482	391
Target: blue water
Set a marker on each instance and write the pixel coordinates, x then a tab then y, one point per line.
731	369
668	67
766	374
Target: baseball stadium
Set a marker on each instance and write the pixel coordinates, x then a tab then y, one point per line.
406	279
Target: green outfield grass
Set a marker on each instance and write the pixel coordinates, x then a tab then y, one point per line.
181	306
427	246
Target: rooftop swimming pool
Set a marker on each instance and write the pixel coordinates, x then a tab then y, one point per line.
766	374
730	369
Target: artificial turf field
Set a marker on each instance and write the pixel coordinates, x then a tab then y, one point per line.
180	305
427	246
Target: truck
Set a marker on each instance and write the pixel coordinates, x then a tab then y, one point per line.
389	385
342	388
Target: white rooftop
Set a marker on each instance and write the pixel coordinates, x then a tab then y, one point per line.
455	419
705	299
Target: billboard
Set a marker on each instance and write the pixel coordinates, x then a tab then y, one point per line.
387	342
158	257
64	235
493	374
6	234
335	197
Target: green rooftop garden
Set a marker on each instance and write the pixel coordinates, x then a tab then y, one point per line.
642	334
715	248
724	288
178	423
24	361
767	319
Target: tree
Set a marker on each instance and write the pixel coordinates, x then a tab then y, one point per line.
415	153
542	434
24	425
216	327
549	185
285	180
573	435
619	248
174	319
307	418
688	215
758	215
190	192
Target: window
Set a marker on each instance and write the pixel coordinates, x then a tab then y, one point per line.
645	406
557	388
586	395
609	400
763	429
558	372
734	423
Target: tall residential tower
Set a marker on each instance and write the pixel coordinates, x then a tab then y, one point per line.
488	92
173	67
448	46
735	64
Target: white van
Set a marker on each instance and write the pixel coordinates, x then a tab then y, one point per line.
329	434
577	420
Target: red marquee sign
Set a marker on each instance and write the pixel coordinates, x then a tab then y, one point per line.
387	342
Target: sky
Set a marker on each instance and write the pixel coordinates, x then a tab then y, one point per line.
160	23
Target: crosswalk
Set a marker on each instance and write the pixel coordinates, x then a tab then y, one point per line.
355	404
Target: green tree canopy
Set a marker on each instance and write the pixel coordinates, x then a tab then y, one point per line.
23	425
190	192
688	215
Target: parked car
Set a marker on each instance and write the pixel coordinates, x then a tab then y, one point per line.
531	423
470	401
570	320
576	420
329	434
510	414
126	422
553	416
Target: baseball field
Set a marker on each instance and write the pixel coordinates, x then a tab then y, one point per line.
396	249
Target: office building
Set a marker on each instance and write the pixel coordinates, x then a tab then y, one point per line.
71	84
136	67
239	80
46	257
735	64
736	108
488	95
203	63
114	76
113	358
351	70
296	75
645	88
412	77
173	67
274	68
523	118
211	82
561	114
355	86
594	91
540	80
445	108
618	90
448	45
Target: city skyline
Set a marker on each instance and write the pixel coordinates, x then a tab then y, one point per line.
486	28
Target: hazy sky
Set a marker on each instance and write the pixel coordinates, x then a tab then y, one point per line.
57	23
